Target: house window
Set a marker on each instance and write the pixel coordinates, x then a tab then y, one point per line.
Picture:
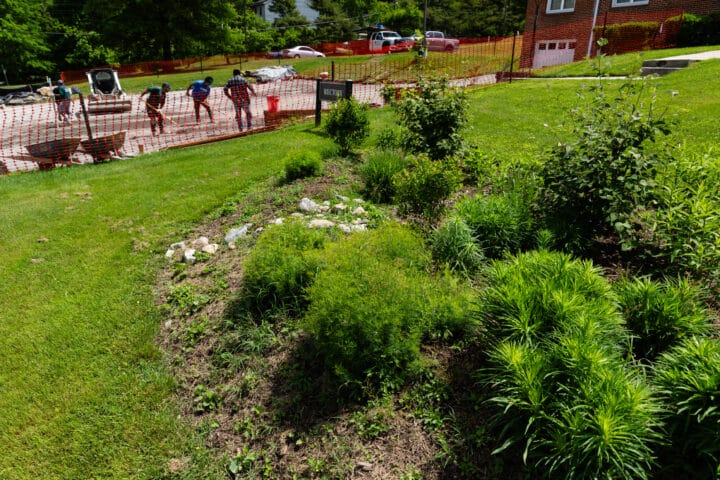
560	6
629	3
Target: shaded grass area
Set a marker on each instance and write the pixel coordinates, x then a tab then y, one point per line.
624	64
84	392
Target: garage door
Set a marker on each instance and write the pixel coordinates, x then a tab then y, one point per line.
553	52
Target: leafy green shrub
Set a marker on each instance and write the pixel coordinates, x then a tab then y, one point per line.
302	164
348	124
557	373
425	185
281	266
433	115
660	315
373	304
500	223
622	36
688	378
378	171
680	234
698	29
592	185
454	245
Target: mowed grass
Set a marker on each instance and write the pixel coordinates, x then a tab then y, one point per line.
84	392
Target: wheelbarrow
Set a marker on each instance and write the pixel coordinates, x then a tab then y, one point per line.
102	148
54	152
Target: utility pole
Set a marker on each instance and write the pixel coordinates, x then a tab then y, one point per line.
424	41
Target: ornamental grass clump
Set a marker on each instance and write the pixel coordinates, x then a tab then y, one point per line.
660	315
302	164
377	172
281	266
566	400
454	245
688	379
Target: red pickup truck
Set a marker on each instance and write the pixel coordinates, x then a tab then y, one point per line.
436	42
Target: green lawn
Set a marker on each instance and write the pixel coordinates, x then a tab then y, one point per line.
625	64
84	392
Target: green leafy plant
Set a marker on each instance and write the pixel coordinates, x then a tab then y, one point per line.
205	399
592	185
453	244
423	187
660	315
433	115
186	299
348	124
281	266
378	171
500	223
688	379
302	164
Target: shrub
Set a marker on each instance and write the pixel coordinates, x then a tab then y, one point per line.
622	37
378	171
699	30
593	184
372	305
680	234
688	378
557	373
348	124
500	223
454	245
433	115
422	188
302	164
281	266
660	315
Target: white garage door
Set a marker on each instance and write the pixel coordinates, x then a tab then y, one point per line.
553	52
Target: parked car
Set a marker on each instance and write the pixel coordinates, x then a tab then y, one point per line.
301	52
436	42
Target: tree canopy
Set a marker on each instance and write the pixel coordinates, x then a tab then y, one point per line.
43	37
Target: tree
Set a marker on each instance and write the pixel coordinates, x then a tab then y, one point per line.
24	40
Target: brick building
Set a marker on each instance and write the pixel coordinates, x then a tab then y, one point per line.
562	31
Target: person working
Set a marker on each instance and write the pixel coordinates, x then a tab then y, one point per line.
154	104
200	93
237	90
63	101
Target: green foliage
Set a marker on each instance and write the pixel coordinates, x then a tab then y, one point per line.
281	267
557	374
592	185
688	379
660	315
422	188
639	33
433	115
681	234
348	124
500	223
205	399
302	164
698	29
453	244
377	173
186	299
372	305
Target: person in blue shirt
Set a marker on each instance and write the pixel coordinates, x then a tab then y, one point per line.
238	90
200	93
154	104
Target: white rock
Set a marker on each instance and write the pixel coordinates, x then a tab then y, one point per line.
321	223
200	242
297	215
342	198
277	221
359	228
359	211
308	205
170	253
189	256
236	233
211	248
340	207
345	228
323	208
358	200
178	245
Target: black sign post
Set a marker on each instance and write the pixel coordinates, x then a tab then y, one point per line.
330	92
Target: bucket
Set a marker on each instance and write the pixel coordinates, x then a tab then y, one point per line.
273	102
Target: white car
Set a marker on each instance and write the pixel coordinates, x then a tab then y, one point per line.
301	52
